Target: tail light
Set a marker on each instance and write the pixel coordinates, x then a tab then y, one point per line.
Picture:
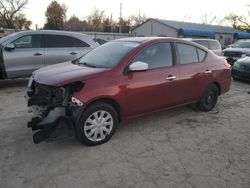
227	65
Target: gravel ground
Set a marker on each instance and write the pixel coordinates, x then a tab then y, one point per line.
175	148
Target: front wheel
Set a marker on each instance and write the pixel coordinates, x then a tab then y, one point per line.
97	124
209	98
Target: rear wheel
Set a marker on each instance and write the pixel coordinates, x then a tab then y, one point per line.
97	124
209	98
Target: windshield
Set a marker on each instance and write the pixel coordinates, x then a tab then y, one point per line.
242	44
3	39
108	55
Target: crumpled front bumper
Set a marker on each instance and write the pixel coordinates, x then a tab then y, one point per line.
56	124
51	119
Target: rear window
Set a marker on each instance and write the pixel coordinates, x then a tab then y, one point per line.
202	42
213	45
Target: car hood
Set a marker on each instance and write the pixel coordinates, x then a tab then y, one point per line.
244	61
65	73
244	50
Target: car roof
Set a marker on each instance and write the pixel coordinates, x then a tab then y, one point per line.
243	40
204	40
150	39
165	39
79	35
49	32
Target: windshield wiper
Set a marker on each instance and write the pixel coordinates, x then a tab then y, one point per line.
88	65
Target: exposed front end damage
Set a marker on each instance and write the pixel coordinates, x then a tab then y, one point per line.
53	107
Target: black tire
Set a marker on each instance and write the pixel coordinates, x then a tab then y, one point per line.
209	98
236	79
81	126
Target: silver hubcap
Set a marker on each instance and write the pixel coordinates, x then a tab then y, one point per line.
98	125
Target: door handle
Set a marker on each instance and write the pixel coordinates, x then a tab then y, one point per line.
171	77
208	72
37	54
73	53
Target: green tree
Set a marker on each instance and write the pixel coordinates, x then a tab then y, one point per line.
11	14
55	15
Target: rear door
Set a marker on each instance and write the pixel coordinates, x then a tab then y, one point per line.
194	72
155	88
60	48
27	56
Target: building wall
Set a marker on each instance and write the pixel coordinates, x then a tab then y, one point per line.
225	39
153	28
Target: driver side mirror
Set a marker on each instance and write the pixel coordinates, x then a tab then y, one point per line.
9	47
138	66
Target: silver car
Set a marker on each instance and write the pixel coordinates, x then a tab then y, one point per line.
23	52
212	44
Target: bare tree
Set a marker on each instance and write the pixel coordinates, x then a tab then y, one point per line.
95	20
137	19
10	10
238	22
74	24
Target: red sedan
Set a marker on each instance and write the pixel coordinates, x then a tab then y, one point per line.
122	79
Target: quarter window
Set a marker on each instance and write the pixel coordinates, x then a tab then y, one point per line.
157	56
79	43
202	54
29	41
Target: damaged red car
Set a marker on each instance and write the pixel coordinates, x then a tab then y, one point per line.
123	79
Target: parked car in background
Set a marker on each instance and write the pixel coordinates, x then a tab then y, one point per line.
211	44
239	49
23	52
122	79
241	69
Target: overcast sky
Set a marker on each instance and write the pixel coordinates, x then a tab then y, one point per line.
181	10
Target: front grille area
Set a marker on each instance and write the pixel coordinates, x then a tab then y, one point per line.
232	54
246	67
43	95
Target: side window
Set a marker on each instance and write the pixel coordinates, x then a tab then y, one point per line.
79	43
29	41
58	41
187	53
158	55
202	54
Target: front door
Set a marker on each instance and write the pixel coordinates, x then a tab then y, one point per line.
156	88
27	56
